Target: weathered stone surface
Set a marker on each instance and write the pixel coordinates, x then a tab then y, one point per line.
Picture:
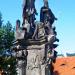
35	47
34	62
36	38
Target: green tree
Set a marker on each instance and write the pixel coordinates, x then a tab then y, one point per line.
1	31
8	65
70	54
6	37
1	21
9	35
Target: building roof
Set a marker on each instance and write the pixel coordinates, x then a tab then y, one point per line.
64	66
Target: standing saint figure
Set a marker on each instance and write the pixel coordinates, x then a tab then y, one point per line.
46	14
47	17
29	11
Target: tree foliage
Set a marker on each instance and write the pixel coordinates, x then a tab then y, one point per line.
7	63
6	36
1	21
70	54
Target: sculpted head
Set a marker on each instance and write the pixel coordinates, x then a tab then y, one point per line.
17	24
45	3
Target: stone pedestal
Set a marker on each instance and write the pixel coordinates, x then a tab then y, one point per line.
35	60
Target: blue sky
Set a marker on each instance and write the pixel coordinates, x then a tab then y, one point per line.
64	10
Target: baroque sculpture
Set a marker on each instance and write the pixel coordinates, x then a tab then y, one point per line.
34	41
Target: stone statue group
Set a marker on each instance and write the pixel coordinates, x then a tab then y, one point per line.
34	31
29	26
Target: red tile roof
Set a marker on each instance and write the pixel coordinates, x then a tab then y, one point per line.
64	66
